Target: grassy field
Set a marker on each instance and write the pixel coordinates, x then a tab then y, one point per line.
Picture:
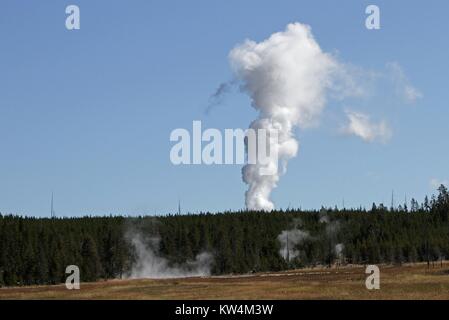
396	282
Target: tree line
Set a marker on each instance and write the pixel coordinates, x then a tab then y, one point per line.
37	250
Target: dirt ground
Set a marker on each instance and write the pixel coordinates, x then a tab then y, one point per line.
396	282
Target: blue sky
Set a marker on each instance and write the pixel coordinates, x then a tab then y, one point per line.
88	113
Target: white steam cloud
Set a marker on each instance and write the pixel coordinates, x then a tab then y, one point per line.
286	76
361	125
332	229
150	265
289	239
339	247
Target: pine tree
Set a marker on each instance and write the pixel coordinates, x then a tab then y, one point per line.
91	268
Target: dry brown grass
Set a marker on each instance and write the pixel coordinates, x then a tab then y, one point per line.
405	282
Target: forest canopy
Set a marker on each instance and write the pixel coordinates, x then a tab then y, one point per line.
38	250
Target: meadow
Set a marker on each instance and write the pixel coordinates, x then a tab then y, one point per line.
410	281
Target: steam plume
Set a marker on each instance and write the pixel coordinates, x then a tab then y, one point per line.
339	247
289	239
332	229
286	77
150	265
